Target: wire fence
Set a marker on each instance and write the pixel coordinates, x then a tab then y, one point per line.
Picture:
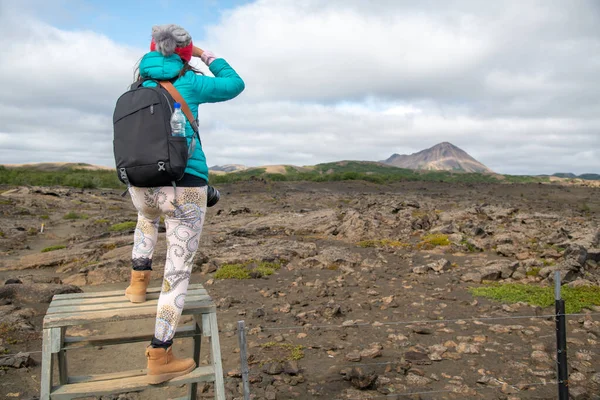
560	362
415	322
426	392
559	317
377	324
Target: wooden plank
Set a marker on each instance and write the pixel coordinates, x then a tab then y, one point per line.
184	331
206	328
47	364
128	384
193	389
108	293
111	306
63	372
216	358
145	311
115	299
244	359
55	343
107	377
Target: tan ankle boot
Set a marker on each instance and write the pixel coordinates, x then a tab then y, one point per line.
162	365
136	292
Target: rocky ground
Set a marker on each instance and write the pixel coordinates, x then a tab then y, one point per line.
371	301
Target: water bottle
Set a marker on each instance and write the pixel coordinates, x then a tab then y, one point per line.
177	121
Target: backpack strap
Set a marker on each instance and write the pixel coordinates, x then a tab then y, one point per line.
184	107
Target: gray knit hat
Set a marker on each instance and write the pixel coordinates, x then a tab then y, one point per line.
171	38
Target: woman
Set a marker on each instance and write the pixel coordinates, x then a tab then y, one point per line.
184	207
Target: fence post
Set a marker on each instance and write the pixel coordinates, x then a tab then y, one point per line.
561	341
244	359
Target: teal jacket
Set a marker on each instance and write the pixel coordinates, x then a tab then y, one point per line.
195	89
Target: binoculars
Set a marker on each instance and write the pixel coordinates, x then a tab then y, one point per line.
212	196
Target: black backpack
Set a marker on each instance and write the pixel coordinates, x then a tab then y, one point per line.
146	154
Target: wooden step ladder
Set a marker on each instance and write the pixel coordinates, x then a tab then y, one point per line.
95	307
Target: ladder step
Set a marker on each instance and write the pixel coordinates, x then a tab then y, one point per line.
122	382
124	303
107	377
115	299
77	342
140	311
88	295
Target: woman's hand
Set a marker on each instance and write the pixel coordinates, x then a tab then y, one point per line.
197	52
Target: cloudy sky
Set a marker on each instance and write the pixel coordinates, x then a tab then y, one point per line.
516	84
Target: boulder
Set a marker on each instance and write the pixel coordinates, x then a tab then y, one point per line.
50	259
361	378
471	277
36	292
491	273
440	265
577	254
19	360
16	317
506	250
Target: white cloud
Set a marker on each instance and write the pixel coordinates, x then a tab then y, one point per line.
513	83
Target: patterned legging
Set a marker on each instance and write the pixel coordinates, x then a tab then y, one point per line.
184	218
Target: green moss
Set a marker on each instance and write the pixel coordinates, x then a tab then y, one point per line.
232	271
381	243
437	239
53	248
433	240
73	215
548	263
418	214
101	221
264	271
470	247
123	226
534	271
285	351
575	298
274	265
242	270
44	216
267	268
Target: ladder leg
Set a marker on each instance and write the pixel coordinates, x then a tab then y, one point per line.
50	345
63	373
216	357
193	391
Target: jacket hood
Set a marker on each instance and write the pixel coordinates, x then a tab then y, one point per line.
156	66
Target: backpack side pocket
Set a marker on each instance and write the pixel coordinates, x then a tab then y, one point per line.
178	156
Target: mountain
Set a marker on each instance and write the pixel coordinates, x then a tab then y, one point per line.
57	166
587	177
441	157
228	168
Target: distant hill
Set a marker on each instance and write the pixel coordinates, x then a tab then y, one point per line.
587	177
57	166
228	168
86	176
441	157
